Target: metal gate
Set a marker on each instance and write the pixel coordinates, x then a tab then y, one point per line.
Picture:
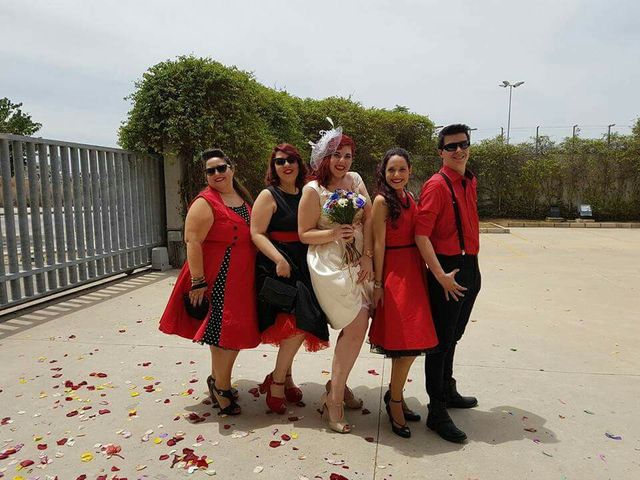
71	214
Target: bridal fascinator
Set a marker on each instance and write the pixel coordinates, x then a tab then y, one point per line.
326	145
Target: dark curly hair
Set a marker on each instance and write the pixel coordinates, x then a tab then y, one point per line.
387	191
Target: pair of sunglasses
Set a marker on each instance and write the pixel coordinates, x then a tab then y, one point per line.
219	169
452	147
281	161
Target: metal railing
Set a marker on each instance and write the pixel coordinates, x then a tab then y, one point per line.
82	213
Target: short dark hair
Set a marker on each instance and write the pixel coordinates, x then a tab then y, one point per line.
215	153
452	130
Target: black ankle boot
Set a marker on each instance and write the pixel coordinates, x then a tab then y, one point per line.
439	421
455	400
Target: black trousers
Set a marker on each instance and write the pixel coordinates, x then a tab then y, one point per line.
450	319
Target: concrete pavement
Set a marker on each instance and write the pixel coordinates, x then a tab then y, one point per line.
551	352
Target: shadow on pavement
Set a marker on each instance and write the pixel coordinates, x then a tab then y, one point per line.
31	316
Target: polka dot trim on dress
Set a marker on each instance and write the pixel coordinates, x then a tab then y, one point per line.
214	325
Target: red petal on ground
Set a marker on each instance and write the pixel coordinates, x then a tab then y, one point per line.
164	457
115	469
26	463
72	413
255	392
62	441
285	437
42	446
275	443
337	476
227	427
370	439
104	411
372	372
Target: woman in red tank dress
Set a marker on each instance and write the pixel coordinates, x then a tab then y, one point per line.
402	327
220	267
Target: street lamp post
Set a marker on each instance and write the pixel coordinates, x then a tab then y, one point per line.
609	133
511	86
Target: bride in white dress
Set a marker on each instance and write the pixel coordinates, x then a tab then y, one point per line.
344	291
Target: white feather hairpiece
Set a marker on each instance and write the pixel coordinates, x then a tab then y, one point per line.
327	144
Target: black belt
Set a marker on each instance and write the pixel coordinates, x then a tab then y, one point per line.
395	247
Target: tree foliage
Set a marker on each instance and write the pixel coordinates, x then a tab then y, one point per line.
14	120
525	180
185	105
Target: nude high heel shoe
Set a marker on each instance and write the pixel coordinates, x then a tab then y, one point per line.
339	426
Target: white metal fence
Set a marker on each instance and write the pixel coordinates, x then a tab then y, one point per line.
72	213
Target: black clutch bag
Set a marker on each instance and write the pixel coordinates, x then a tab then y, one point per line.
278	294
196	311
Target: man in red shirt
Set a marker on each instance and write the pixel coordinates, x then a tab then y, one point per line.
448	237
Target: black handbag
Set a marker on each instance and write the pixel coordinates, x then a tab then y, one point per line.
278	294
198	312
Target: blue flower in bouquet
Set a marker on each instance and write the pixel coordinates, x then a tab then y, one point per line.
341	206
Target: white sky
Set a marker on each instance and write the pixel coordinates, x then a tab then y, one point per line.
72	62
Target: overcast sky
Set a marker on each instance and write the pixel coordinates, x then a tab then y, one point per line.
72	62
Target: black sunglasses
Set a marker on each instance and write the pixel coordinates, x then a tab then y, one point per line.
220	169
281	161
452	147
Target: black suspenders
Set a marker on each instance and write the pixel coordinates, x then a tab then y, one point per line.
456	210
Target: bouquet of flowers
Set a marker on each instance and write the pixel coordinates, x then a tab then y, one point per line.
341	208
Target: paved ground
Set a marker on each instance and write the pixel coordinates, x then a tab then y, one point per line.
552	353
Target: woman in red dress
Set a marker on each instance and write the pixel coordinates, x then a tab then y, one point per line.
220	270
402	327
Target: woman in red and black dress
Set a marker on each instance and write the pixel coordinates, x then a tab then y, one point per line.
274	230
220	267
402	327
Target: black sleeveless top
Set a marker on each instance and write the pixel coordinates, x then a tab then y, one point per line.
285	219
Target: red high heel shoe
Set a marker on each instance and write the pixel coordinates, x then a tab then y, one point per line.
293	394
276	404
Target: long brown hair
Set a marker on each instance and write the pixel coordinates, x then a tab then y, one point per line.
390	196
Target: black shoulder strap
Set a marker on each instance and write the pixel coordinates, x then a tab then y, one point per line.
456	211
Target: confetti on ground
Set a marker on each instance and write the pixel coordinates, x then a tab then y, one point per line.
589	412
612	436
372	372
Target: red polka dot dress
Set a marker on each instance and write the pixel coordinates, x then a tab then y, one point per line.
229	268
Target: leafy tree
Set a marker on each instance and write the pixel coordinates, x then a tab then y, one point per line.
14	120
185	105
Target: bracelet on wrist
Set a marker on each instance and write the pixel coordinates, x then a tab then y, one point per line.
197	279
199	285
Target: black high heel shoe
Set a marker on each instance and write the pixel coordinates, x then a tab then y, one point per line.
400	430
211	383
233	408
409	415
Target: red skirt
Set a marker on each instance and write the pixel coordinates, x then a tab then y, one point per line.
285	327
